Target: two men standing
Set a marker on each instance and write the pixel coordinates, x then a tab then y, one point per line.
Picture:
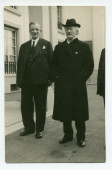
70	66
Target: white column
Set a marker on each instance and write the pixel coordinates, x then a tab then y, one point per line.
26	23
53	25
45	23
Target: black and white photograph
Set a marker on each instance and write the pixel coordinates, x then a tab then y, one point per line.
54	84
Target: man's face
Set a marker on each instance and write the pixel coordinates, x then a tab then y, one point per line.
34	31
71	32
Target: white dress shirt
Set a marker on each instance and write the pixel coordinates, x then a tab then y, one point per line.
36	41
69	41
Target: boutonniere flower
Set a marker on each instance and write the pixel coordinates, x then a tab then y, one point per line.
44	47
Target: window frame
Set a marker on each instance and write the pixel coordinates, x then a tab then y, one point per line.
59	17
8	28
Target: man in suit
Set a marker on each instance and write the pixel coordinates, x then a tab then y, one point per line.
101	75
72	65
33	79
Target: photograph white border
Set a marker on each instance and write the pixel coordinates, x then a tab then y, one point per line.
108	108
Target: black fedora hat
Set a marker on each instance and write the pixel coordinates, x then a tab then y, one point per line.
70	23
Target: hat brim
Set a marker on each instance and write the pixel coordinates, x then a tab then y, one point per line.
76	25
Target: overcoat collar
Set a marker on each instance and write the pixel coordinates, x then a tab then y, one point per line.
66	46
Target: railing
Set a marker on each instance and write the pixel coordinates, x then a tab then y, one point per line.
10	67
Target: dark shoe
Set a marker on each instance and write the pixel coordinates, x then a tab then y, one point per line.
81	143
25	133
39	135
66	139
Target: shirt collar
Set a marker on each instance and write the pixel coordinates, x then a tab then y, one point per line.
68	42
36	41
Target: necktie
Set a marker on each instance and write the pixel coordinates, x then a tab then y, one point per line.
33	44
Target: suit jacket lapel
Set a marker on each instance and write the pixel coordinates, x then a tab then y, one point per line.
27	50
38	48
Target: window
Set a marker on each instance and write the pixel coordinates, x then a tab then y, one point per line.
14	87
59	17
10	47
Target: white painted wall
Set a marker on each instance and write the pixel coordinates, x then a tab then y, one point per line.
25	24
98	33
45	22
53	25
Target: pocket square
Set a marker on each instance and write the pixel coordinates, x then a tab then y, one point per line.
44	47
76	52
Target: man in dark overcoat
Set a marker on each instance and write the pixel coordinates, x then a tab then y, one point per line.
33	79
72	65
101	75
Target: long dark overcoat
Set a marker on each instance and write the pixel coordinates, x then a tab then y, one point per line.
71	67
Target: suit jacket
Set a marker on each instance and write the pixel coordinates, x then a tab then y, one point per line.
71	66
101	75
40	62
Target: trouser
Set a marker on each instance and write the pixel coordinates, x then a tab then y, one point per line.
34	95
80	127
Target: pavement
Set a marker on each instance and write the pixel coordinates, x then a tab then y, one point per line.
47	150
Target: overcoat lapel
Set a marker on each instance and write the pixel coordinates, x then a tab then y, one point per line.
67	49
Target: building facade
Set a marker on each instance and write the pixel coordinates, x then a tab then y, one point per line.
50	18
